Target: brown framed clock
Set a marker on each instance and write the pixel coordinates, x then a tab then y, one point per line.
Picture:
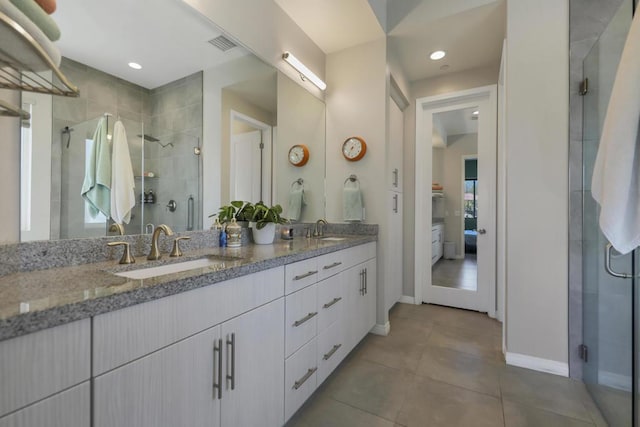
354	148
298	155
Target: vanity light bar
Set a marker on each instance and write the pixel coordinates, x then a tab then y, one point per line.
302	69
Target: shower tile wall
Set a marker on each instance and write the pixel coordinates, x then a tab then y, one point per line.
176	120
588	20
99	93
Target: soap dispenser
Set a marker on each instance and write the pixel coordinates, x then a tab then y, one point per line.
234	234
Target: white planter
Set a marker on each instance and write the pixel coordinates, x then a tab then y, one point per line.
264	236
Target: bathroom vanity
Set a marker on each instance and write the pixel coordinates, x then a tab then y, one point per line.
241	343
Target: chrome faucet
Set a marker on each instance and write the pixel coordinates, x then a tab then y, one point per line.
117	227
319	231
155	252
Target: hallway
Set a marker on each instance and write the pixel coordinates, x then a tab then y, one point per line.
442	367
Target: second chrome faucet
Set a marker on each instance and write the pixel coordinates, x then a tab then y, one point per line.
154	254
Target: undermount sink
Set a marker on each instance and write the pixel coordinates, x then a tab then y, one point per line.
215	263
333	239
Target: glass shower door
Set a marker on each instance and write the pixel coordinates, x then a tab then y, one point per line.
608	301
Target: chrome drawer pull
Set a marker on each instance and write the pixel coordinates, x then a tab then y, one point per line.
305	318
329	304
335	264
331	352
218	386
302	276
302	380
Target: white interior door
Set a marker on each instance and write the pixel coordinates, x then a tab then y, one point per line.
247	159
483	297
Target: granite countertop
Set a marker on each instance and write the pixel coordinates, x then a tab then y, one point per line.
32	301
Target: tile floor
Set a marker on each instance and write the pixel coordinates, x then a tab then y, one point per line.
442	367
456	273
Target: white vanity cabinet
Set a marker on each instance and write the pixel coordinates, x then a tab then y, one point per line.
437	242
215	360
44	378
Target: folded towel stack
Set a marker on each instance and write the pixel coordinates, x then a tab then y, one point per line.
39	16
18	50
436	187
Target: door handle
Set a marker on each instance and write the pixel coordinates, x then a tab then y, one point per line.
217	349
607	264
366	280
395	177
231	343
482	231
395	203
362	282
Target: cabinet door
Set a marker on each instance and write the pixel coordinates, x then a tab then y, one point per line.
355	312
396	136
393	257
71	408
370	290
171	387
254	368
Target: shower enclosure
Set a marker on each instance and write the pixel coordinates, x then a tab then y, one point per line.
609	303
166	171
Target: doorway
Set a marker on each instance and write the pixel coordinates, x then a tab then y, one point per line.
250	163
430	111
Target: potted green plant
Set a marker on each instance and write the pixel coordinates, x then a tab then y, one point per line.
238	209
265	219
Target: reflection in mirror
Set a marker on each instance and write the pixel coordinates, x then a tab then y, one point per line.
161	107
301	120
455	203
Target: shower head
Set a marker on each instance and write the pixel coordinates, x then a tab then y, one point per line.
149	138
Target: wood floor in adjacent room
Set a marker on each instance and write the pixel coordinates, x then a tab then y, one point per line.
442	367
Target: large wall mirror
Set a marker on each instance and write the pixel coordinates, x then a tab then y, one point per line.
206	122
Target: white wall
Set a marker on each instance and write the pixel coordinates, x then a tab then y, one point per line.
422	88
264	28
537	172
10	167
356	106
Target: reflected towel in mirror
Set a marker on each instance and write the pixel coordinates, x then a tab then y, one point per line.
97	175
122	182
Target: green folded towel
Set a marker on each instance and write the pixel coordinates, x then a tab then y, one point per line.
39	17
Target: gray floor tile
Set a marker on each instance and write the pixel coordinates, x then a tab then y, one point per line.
481	345
326	412
544	391
434	404
461	369
404	356
369	386
519	415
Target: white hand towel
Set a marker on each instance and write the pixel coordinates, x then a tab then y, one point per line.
297	200
122	183
352	204
97	175
616	183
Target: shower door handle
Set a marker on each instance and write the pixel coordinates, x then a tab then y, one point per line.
607	264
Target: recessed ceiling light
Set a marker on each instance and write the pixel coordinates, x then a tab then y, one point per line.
475	113
135	65
438	54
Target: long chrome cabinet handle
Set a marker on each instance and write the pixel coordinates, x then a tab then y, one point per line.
607	264
335	264
305	275
334	301
395	203
217	349
395	177
302	380
366	282
331	352
362	282
305	318
232	343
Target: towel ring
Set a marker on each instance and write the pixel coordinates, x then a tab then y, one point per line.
298	181
352	178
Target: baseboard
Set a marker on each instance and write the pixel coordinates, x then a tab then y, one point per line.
407	300
617	381
381	329
538	364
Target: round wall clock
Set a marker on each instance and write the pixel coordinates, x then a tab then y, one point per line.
299	155
354	148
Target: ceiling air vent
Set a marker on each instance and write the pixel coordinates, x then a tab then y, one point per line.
222	43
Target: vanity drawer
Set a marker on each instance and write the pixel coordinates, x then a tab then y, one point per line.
300	274
359	254
333	263
301	318
43	363
331	350
130	333
331	300
300	378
